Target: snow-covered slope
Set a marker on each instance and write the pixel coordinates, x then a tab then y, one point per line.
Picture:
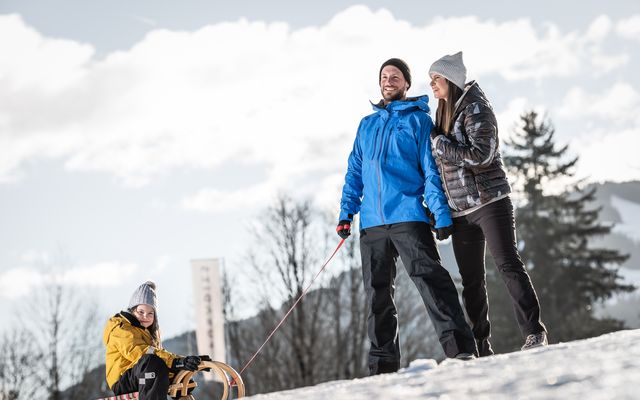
606	367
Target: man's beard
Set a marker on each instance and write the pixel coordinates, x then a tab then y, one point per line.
397	94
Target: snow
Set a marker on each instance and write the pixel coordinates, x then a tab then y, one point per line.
605	367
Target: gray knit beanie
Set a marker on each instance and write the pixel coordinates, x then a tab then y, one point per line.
452	68
144	294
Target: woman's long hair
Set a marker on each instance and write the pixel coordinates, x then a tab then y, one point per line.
444	114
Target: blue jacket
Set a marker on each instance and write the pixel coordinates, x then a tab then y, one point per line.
391	169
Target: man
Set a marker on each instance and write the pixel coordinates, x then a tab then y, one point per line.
391	174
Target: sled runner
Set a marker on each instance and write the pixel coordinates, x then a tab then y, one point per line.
230	378
182	384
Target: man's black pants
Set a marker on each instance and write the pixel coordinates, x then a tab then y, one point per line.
149	377
494	224
414	243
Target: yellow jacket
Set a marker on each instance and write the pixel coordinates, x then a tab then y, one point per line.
127	341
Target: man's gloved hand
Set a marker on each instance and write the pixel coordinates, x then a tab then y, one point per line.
188	363
445	232
344	227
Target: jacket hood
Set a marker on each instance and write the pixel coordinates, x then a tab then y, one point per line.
419	102
119	319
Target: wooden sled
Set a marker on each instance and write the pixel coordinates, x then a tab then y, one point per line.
182	383
230	378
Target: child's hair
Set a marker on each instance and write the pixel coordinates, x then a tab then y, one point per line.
444	114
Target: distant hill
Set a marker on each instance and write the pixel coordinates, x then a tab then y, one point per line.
620	204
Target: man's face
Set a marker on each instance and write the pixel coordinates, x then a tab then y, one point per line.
393	86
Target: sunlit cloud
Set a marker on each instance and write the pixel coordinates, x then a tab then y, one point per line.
617	106
629	28
19	282
263	94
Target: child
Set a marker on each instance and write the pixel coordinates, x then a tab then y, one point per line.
135	359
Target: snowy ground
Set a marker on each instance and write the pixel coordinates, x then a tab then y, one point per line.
606	367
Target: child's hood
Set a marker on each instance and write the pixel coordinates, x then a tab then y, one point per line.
121	319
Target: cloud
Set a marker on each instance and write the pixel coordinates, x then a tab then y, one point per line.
629	28
248	92
18	282
214	200
617	106
606	144
104	274
509	117
31	62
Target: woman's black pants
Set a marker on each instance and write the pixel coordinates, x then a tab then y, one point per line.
493	224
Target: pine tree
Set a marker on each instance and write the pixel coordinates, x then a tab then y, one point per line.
554	232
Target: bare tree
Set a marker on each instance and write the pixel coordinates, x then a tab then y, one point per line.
18	363
348	314
67	334
325	337
283	258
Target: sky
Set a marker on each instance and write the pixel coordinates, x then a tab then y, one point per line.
605	367
135	137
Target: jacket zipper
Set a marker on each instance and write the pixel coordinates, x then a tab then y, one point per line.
380	195
444	185
379	160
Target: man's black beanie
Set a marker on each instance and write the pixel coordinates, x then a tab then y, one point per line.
401	65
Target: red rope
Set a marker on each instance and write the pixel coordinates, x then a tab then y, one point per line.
289	312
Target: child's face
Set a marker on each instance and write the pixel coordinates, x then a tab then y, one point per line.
145	314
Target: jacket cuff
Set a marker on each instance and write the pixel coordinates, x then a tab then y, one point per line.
345	216
443	220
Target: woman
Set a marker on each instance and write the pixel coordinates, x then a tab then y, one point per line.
465	145
135	359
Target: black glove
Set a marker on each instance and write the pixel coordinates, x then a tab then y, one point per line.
344	227
443	233
205	357
188	363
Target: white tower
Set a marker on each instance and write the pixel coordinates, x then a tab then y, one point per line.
207	290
